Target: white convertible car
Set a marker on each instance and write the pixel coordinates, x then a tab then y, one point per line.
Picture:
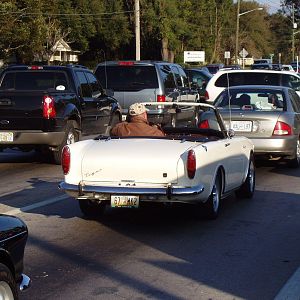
190	165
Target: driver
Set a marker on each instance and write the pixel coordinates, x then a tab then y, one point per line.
137	125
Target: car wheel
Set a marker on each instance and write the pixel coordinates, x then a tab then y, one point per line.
247	188
8	286
71	136
295	162
91	208
212	205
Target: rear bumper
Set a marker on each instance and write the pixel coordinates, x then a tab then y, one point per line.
275	146
162	194
35	137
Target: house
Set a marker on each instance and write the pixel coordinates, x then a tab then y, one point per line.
64	53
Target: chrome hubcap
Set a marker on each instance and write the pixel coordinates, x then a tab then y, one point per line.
215	198
5	291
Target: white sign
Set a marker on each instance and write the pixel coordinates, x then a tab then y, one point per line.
243	53
194	56
227	54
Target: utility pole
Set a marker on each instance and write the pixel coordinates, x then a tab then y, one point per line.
293	32
137	30
237	31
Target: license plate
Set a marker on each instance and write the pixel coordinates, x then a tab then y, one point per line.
124	201
6	137
245	126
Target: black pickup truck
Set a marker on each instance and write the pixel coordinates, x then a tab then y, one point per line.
47	107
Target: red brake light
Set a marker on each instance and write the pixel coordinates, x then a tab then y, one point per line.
191	164
204	124
125	63
282	128
49	107
66	160
35	68
161	98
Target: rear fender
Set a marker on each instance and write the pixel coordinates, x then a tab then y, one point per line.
71	112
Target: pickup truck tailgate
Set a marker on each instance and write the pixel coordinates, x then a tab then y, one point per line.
21	110
128	159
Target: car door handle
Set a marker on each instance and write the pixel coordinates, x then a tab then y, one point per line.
227	144
5	101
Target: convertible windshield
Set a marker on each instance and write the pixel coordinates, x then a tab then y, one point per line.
263	100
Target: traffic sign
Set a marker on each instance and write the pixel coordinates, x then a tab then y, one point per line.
243	53
227	54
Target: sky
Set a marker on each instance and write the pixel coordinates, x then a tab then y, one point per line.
273	5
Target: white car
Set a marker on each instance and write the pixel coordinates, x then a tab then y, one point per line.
189	165
226	78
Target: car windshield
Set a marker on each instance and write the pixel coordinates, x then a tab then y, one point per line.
127	78
261	100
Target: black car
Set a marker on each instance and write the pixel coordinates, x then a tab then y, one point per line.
13	237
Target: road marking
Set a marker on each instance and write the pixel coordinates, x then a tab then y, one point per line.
291	290
17	211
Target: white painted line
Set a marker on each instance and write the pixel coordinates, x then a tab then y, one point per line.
291	290
17	211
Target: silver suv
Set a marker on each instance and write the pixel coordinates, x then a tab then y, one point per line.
147	81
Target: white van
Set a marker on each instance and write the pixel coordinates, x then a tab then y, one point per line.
226	78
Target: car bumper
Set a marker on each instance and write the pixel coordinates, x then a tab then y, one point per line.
34	138
159	194
275	146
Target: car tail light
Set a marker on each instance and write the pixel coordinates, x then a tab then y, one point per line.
49	107
125	63
191	164
66	159
161	98
35	68
282	128
204	124
206	95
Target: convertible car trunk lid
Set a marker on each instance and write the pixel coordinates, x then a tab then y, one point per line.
126	161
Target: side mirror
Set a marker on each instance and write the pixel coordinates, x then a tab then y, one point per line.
230	133
109	92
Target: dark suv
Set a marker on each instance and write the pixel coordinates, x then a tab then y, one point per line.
147	81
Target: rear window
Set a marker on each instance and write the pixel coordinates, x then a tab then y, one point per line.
127	78
263	100
37	80
236	79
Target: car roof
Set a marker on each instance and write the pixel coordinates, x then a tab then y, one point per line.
259	87
256	71
44	67
134	62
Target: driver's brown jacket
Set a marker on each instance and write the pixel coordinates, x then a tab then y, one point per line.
137	126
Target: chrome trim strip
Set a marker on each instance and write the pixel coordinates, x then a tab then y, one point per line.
172	191
25	283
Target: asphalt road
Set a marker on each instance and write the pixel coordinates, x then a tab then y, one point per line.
249	252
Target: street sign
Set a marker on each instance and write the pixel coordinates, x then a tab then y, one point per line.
194	56
227	54
243	53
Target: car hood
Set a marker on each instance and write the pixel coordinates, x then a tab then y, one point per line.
126	160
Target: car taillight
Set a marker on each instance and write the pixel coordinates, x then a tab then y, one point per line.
191	164
35	68
66	159
282	128
204	124
49	107
206	95
161	98
125	63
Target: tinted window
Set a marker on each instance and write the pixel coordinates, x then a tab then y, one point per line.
178	78
85	87
183	77
26	80
295	100
127	78
95	86
167	76
236	79
291	81
263	100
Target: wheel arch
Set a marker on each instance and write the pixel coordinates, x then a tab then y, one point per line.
6	260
